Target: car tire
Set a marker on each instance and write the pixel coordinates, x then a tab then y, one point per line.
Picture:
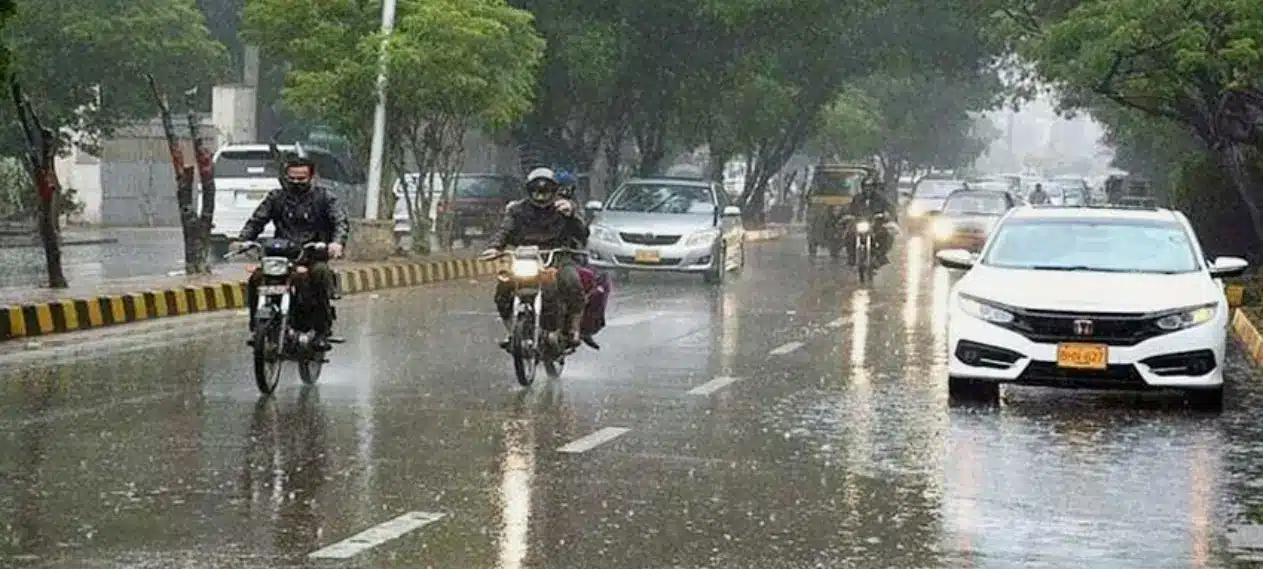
968	390
1205	399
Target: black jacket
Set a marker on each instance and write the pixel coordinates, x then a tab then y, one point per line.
526	225
305	216
869	206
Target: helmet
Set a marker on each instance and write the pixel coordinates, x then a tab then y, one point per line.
542	186
298	171
567	182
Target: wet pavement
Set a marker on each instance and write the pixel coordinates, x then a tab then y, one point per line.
791	420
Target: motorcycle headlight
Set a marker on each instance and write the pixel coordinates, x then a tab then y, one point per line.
702	238
1187	318
863	226
916	209
602	233
983	311
525	268
944	228
274	266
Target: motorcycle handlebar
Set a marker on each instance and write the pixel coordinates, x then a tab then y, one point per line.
542	253
247	246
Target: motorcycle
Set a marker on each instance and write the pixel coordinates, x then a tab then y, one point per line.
865	243
535	338
281	331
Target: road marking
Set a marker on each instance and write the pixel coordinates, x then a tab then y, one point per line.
593	440
713	386
376	535
787	348
634	319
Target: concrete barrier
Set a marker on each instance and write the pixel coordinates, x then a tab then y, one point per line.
76	314
1244	328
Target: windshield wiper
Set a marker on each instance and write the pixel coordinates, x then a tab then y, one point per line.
1080	268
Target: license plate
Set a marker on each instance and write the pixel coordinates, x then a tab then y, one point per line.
473	231
1083	356
272	290
648	256
256	195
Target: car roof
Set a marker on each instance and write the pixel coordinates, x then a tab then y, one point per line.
669	180
1093	213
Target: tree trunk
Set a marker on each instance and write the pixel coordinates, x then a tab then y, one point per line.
183	184
651	141
206	174
1234	159
41	156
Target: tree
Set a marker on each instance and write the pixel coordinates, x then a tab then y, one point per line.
78	71
1196	63
452	64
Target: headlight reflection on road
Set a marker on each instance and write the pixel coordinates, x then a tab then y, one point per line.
860	448
730	328
912	298
939	290
859	330
515	492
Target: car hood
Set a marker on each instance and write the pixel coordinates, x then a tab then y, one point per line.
984	222
658	223
927	204
1087	291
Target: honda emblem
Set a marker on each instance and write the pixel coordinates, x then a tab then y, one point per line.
1083	327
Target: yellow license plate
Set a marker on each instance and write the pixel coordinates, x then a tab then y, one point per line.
648	256
1083	356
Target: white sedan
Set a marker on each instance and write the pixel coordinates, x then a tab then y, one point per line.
1089	298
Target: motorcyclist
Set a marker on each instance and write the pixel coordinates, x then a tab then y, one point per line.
1038	195
548	221
568	185
303	213
866	206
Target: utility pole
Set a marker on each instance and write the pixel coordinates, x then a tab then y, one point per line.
376	155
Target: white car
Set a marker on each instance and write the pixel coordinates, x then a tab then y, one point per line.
1089	298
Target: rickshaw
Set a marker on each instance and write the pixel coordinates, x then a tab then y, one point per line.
832	188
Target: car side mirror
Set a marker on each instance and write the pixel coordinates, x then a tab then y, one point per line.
594	205
1228	267
958	259
732	211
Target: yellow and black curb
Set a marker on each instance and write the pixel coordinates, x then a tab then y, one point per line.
70	315
1246	331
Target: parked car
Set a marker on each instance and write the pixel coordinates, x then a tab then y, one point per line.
477	204
668	224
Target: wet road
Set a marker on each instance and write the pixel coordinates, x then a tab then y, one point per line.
789	421
138	252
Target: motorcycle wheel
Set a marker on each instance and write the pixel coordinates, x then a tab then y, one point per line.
524	361
267	368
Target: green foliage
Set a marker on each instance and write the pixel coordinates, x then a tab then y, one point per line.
83	62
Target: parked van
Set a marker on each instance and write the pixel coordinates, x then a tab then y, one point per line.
245	173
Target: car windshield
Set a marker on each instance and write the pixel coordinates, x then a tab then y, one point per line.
976	203
1093	245
663	198
937	188
481	187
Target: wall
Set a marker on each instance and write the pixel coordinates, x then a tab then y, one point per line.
137	179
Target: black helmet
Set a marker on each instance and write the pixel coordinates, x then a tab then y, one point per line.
542	186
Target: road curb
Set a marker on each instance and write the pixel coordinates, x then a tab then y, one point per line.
1235	294
1248	333
77	314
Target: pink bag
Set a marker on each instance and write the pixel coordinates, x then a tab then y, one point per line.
596	291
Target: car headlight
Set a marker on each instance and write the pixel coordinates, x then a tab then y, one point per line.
702	238
944	228
863	226
602	233
525	268
983	311
1187	318
274	266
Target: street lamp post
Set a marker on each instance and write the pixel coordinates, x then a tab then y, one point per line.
379	119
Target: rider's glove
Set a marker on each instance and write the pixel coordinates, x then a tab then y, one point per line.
335	250
564	206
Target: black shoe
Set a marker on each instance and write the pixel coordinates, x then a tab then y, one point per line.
321	345
587	339
504	344
250	339
336	340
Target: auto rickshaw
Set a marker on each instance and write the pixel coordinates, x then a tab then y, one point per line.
832	188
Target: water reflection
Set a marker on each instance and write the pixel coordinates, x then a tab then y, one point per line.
940	288
285	469
1203	465
518	473
28	533
914	268
859	450
730	331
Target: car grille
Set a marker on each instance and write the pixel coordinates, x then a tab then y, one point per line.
630	260
649	239
1121	375
1109	329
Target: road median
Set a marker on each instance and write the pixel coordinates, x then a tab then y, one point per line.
140	301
